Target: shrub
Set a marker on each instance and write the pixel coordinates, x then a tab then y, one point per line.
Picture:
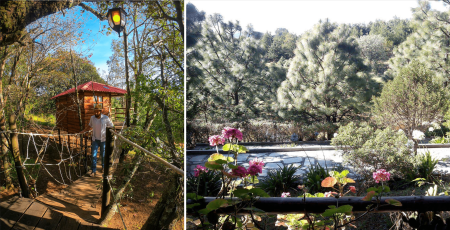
208	183
367	150
280	180
314	177
426	166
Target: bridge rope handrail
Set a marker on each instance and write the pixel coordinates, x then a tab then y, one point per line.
176	169
45	134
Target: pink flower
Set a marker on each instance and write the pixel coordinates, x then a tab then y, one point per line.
330	194
239	171
256	162
230	133
199	170
254	169
381	175
216	140
352	189
285	194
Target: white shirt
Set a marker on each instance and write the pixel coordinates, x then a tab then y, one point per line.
99	127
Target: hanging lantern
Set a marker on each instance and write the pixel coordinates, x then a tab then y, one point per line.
117	19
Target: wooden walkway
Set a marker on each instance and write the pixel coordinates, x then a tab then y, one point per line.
28	214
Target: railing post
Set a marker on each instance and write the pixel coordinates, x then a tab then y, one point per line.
68	142
106	172
85	154
60	143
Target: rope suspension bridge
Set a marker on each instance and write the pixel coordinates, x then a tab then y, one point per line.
78	200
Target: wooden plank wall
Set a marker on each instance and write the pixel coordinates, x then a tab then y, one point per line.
66	110
89	105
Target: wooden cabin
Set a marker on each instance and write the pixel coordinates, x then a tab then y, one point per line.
89	93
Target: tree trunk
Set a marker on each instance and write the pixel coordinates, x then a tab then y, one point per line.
165	211
77	99
236	98
16	154
16	15
4	145
149	118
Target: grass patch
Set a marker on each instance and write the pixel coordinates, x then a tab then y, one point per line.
43	119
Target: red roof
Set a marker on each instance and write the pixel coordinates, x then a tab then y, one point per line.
98	87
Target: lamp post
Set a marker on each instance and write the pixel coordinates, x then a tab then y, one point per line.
117	20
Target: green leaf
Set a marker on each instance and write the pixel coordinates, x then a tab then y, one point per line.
240	192
254	209
259	192
226	147
220	161
344	173
192	196
393	202
242	149
192	205
204	211
213	166
347	209
386	189
216	204
216	156
236	221
232	166
230	159
369	196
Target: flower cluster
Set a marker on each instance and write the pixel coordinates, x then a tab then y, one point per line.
418	135
227	134
230	133
216	140
254	169
199	170
381	175
285	194
239	172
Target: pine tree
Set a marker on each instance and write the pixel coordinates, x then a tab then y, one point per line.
327	80
229	71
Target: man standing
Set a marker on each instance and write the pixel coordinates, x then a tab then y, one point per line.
98	124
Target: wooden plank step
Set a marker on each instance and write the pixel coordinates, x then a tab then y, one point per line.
12	210
31	217
49	221
67	223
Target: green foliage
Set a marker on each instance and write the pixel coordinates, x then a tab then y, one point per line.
280	180
412	98
314	177
327	79
227	75
428	43
426	166
367	150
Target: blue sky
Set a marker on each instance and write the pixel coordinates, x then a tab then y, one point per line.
299	16
97	42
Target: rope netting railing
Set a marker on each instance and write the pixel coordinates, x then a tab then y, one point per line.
65	155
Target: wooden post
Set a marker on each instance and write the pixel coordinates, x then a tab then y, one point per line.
106	172
68	142
16	153
85	154
59	134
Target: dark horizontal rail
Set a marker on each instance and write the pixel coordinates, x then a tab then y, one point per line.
278	205
298	149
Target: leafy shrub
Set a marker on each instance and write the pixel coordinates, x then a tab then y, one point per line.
280	180
314	177
441	140
208	183
367	150
426	166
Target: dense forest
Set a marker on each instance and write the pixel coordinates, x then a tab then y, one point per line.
331	74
